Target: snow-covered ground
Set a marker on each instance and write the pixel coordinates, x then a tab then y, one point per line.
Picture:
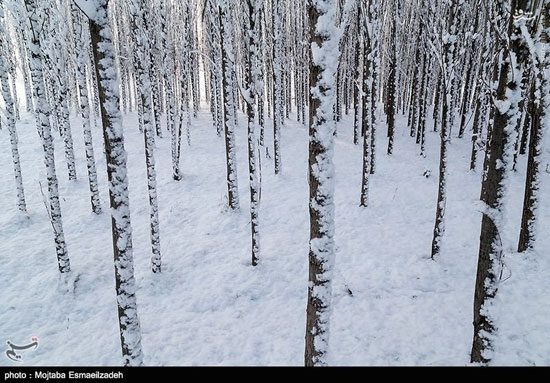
211	307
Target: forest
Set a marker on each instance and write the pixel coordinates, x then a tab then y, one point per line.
275	182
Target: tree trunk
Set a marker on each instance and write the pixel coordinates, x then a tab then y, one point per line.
321	182
104	58
82	40
228	105
10	119
493	191
42	110
252	84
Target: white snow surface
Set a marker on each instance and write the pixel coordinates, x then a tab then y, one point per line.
209	306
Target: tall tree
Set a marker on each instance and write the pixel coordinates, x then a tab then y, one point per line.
253	88
81	30
42	110
116	157
278	101
226	48
324	47
141	15
447	63
498	158
9	106
541	66
393	67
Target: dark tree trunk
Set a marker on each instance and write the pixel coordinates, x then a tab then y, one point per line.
492	194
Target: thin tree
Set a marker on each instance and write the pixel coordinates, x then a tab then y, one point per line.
141	16
391	86
42	110
447	61
253	85
81	30
533	177
226	48
9	107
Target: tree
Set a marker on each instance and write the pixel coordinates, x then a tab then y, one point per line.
81	30
253	87
493	188
10	115
141	16
278	94
447	62
541	66
324	47
42	109
368	97
226	47
108	92
391	90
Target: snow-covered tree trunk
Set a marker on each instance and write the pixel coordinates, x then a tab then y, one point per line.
65	126
493	189
141	16
116	157
357	87
538	130
278	95
423	103
447	63
253	85
375	63
228	105
55	60
42	110
324	47
477	126
10	115
168	75
439	227
391	82
367	95
437	102
81	28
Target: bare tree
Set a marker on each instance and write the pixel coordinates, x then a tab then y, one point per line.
324	46
108	92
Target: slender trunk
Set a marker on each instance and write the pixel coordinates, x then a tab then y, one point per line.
228	106
81	37
116	157
532	181
252	84
42	110
321	182
10	119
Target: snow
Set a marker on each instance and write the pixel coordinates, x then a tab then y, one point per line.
209	306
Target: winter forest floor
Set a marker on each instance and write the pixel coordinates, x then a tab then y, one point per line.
211	307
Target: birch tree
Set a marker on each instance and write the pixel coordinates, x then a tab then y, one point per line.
34	15
226	48
9	106
108	92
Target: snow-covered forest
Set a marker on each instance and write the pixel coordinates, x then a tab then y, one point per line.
275	182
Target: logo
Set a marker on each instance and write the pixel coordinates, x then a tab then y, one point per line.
12	352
